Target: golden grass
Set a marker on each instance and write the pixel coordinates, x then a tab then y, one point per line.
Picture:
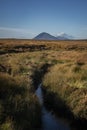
14	46
18	104
66	79
69	81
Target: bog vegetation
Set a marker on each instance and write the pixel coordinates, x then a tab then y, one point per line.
22	65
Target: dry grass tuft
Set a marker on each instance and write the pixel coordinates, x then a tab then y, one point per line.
69	82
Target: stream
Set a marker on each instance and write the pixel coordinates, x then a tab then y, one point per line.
49	121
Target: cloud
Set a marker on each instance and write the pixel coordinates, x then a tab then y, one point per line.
60	33
65	35
15	33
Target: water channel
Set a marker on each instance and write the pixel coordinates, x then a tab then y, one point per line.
49	121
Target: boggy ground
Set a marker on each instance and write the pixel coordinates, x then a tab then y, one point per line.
22	66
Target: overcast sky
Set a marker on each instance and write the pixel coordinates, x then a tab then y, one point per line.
27	18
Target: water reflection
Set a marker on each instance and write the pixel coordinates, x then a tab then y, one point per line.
49	121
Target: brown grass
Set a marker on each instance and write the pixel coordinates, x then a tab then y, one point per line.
14	46
65	83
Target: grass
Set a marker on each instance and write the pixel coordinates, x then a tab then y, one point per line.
15	46
23	63
66	86
18	104
19	107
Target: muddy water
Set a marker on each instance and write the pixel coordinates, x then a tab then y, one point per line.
49	121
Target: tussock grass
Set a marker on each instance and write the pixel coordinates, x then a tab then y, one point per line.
17	104
69	82
22	66
19	107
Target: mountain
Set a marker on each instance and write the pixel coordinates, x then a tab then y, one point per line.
64	36
45	36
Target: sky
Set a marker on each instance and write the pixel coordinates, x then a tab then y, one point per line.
28	18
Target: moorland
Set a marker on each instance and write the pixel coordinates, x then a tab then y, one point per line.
61	66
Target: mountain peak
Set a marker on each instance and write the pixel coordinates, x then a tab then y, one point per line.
45	36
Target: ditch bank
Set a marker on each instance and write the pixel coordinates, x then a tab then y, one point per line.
39	73
49	120
55	104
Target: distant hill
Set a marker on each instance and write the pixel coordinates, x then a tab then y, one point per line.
64	36
47	36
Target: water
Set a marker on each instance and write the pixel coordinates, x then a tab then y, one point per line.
49	121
